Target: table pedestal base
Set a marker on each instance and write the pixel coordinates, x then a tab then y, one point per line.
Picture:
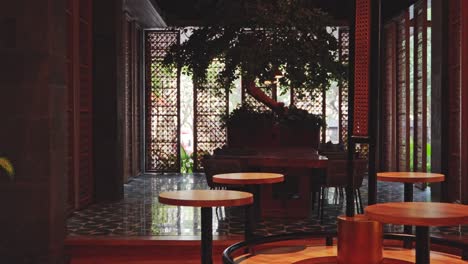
422	245
207	235
359	240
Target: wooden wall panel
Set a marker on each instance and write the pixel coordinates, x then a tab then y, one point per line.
138	91
464	101
403	93
389	98
79	82
454	94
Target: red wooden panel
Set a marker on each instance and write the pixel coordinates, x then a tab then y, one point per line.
138	97
464	92
70	110
362	67
454	140
403	93
128	85
388	110
84	106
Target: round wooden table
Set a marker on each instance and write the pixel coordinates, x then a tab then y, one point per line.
422	215
206	199
408	178
253	180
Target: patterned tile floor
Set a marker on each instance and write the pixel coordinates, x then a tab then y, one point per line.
140	213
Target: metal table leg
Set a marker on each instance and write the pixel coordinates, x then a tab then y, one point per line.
408	197
206	235
422	245
256	203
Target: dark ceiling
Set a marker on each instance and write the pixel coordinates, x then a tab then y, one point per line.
197	12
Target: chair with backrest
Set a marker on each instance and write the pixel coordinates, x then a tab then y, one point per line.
214	166
337	176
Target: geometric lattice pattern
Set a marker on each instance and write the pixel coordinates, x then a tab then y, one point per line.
343	56
388	102
420	86
162	113
251	101
314	103
362	67
403	93
211	104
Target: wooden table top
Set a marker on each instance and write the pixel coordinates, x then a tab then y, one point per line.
410	177
275	157
206	198
419	213
248	178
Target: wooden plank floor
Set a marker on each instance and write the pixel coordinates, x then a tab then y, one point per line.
322	254
171	251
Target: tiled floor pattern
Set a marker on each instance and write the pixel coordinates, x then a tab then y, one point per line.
140	213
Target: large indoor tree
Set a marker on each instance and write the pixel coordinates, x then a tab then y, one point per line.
257	38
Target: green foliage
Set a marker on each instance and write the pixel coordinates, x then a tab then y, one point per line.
186	161
7	166
300	117
263	36
247	116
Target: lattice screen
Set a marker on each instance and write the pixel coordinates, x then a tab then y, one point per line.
343	54
420	86
314	103
388	98
403	93
211	103
250	100
162	95
362	69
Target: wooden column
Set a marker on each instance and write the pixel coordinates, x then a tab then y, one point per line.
33	105
389	97
374	98
464	101
108	100
439	81
453	104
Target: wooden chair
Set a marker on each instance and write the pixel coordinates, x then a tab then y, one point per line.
213	166
337	176
218	166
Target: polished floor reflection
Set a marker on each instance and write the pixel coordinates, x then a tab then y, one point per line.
140	213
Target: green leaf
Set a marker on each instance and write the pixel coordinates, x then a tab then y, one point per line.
8	167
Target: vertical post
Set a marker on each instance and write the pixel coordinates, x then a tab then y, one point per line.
408	197
439	82
374	95
207	235
422	245
464	102
351	144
